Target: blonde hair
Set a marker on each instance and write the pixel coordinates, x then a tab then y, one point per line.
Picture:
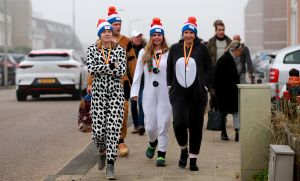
149	53
98	44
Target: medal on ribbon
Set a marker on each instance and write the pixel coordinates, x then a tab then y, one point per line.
186	58
157	58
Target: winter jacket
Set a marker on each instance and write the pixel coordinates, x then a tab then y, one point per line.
212	48
225	83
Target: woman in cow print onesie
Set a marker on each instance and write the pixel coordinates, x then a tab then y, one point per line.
106	62
188	77
152	61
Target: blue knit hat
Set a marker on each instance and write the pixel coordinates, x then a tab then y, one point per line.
103	25
113	16
156	27
190	25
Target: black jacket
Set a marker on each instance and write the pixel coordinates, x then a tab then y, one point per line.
225	83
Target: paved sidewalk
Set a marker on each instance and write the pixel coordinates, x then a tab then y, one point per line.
218	161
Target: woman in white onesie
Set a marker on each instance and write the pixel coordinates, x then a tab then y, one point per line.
152	61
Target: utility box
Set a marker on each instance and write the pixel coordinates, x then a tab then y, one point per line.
255	134
281	163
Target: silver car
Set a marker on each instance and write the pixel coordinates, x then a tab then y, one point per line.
279	67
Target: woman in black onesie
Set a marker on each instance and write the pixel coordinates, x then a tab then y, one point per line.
189	73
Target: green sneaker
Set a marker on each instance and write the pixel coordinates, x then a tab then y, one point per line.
150	152
160	162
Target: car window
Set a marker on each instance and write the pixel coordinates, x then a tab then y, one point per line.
18	57
292	58
48	57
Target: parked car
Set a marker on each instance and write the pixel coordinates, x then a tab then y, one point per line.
260	63
18	57
11	65
281	64
51	71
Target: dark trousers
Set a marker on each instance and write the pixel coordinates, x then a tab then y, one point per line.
188	117
137	110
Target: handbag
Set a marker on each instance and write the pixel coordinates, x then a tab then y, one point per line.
215	120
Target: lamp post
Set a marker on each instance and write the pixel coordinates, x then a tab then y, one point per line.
5	71
130	24
74	35
294	12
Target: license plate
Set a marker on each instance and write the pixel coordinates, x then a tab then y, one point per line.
46	81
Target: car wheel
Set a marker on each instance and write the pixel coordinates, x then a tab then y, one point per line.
21	96
35	96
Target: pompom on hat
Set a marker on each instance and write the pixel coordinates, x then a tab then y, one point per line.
190	25
113	16
156	27
103	25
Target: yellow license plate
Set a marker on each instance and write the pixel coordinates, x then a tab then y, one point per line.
46	81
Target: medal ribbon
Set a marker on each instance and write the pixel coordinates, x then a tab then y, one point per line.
106	59
186	59
157	61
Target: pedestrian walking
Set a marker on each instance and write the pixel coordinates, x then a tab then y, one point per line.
106	62
115	20
226	78
137	112
189	74
217	45
245	58
152	61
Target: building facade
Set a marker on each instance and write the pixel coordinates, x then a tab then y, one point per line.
268	24
50	34
26	32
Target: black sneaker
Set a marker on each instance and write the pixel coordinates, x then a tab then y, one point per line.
141	131
183	158
224	136
193	164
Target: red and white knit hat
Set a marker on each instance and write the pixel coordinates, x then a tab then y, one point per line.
156	27
113	16
103	25
190	25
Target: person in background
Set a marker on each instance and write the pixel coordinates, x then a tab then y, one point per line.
293	84
216	46
136	106
225	80
115	20
106	62
152	62
245	58
189	73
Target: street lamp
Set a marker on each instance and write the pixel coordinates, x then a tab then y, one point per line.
130	24
5	71
73	38
294	10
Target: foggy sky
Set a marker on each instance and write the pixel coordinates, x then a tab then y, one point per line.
138	14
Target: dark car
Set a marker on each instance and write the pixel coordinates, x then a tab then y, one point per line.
11	65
